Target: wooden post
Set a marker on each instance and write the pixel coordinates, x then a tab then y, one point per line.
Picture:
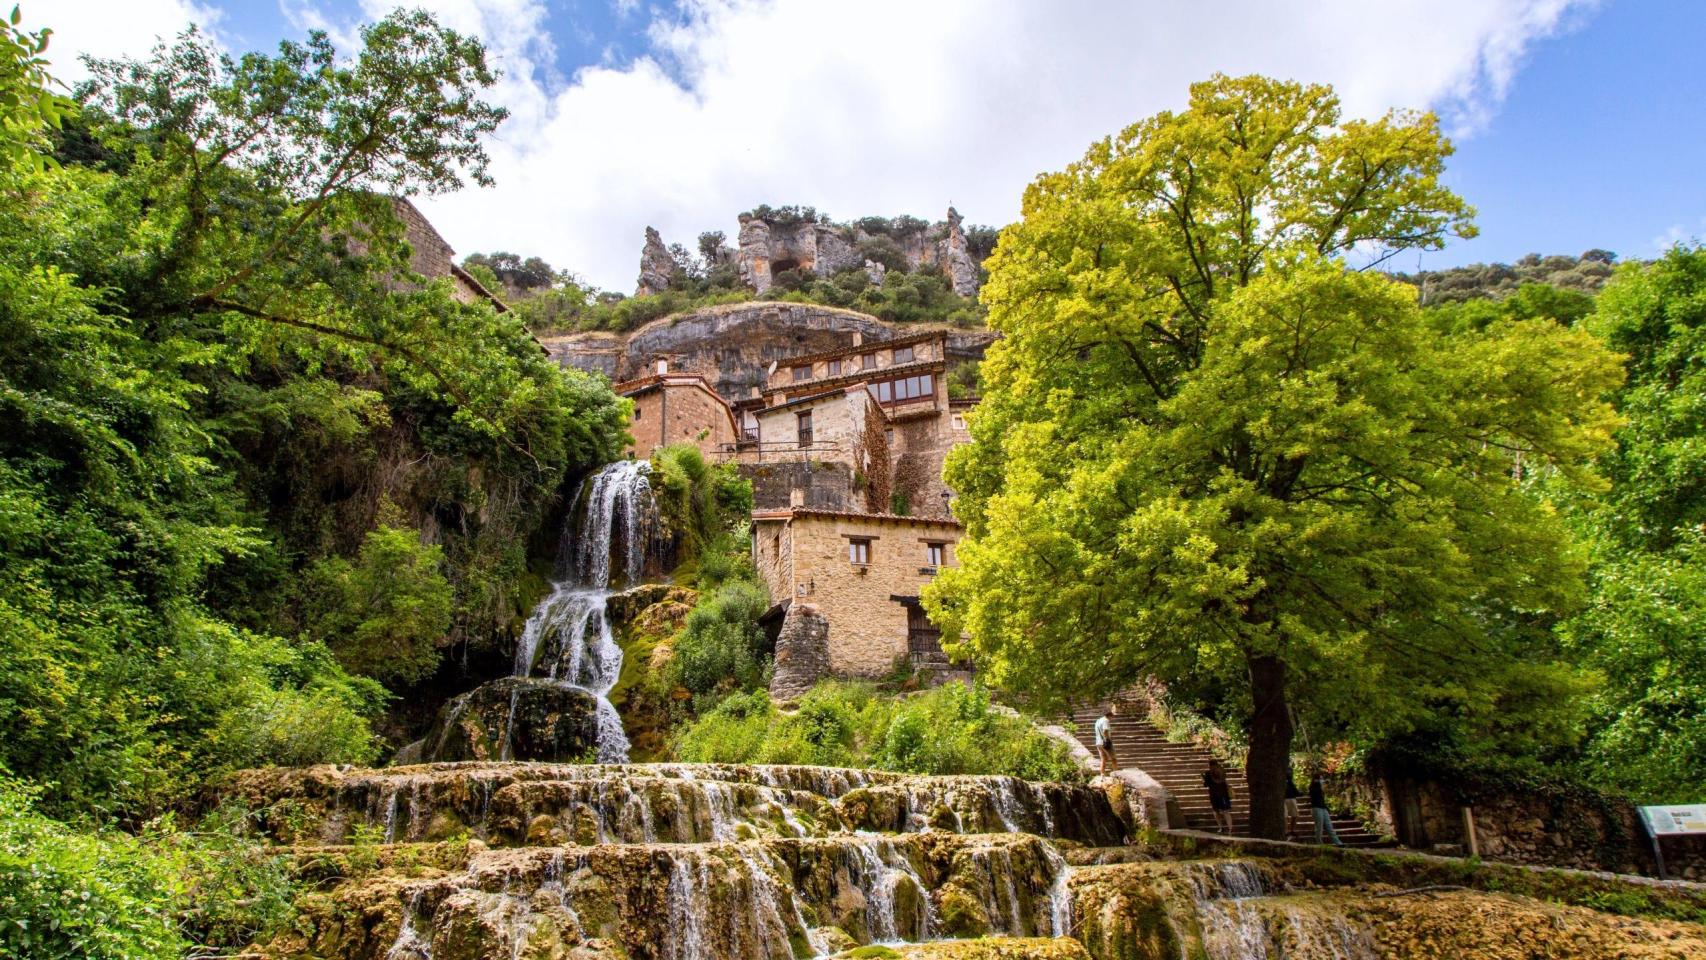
1469	832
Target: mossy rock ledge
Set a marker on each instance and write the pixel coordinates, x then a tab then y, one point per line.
511	718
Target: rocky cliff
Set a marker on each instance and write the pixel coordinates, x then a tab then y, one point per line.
770	242
732	346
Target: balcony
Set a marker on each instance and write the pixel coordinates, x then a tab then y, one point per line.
781	451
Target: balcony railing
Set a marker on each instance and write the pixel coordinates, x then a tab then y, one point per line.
781	451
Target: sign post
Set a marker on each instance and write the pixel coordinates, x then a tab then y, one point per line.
1672	821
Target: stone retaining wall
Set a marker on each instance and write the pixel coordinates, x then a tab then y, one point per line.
1575	828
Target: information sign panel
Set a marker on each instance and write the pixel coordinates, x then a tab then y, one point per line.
1676	820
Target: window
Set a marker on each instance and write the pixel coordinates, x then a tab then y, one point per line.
859	551
936	554
638	411
902	354
748	426
906	389
835	368
959	422
868	362
802	373
804	423
888	436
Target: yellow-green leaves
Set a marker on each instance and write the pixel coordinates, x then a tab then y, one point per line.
1205	438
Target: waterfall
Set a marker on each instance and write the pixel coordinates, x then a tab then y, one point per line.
568	638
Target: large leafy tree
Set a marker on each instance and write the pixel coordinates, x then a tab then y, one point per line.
1645	628
1209	452
210	342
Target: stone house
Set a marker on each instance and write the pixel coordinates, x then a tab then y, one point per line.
880	411
847	585
430	255
677	408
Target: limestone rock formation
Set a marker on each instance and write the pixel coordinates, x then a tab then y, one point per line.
513	718
753	253
766	248
956	260
876	273
802	652
657	267
732	345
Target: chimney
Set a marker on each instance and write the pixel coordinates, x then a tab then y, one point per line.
858	338
796	497
663	366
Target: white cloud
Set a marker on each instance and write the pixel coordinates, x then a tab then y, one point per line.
1679	234
896	106
885	107
107	29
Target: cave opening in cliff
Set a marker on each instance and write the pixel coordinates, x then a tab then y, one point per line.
777	266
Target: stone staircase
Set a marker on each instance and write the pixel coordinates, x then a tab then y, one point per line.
1139	744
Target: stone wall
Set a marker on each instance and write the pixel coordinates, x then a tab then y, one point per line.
868	627
823	485
921	444
680	413
802	652
1531	824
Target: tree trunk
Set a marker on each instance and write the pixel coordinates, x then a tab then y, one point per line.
1270	746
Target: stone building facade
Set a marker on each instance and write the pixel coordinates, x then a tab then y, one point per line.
677	408
861	574
431	256
880	409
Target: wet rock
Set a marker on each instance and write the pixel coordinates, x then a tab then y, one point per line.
997	948
515	718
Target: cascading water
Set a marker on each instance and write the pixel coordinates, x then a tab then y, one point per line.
568	639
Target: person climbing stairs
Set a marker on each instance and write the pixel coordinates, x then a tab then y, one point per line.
1140	745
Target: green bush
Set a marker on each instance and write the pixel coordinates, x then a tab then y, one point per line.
101	893
721	647
384	613
952	729
699	501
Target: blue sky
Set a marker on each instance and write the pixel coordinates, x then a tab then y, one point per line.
1580	123
1600	143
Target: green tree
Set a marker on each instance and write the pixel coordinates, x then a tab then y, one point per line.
1208	452
1646	626
384	614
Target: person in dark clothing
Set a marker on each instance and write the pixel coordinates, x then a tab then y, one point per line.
1292	796
1318	807
1219	795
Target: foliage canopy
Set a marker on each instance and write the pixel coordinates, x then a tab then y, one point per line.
1210	453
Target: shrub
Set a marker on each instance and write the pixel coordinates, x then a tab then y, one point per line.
101	893
721	648
384	613
952	729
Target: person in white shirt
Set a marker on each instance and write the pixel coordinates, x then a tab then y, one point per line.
1105	741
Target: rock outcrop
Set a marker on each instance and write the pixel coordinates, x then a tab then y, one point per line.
876	273
802	652
512	718
957	262
733	345
657	267
766	248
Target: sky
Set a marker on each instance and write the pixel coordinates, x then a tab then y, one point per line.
1579	124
